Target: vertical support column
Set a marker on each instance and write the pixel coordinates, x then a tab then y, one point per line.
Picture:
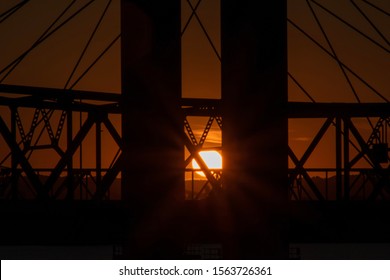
339	175
347	166
255	147
99	159
69	137
152	128
14	165
81	174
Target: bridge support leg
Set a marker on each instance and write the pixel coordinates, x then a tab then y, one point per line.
254	98
152	128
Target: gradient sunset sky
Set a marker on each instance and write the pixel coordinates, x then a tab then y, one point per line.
50	64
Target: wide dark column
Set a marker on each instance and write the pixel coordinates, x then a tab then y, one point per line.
254	97
152	176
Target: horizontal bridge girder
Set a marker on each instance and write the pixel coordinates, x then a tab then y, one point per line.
75	106
61	99
326	110
208	107
59	94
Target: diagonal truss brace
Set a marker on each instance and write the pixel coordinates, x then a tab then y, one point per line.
71	149
21	159
203	166
299	164
384	173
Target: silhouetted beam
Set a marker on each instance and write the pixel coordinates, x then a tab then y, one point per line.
201	107
255	132
203	166
38	102
200	102
326	110
55	174
113	132
21	159
152	126
301	170
55	93
202	111
37	97
109	178
209	107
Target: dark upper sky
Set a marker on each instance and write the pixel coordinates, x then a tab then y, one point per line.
51	63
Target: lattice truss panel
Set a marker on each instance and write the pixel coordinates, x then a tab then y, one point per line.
338	52
60	136
361	161
201	71
201	177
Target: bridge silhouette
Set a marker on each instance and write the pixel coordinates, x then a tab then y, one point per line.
101	168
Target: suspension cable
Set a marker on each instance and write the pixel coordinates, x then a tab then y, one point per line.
44	37
345	66
370	22
88	43
12	10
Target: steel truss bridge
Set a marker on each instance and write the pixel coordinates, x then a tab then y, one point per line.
61	123
371	183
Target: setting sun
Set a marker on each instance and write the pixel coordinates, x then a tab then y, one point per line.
213	160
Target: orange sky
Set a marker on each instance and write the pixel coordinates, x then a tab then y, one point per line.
51	63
